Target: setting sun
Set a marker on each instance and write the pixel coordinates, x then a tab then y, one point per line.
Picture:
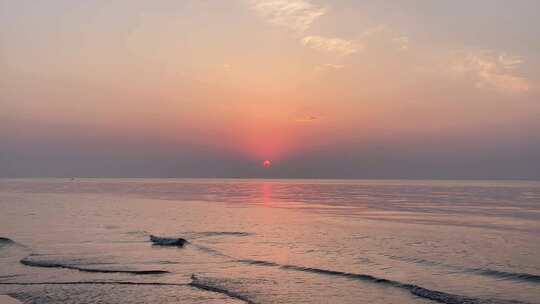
267	164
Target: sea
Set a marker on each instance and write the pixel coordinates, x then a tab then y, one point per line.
270	241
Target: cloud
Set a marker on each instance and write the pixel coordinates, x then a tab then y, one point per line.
329	66
309	118
372	31
490	70
373	36
509	61
334	66
384	34
331	45
297	15
401	42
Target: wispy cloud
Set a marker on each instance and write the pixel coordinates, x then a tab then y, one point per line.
331	45
370	37
308	118
334	66
374	30
490	70
384	34
297	15
508	61
401	42
329	66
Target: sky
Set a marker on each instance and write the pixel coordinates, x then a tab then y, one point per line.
322	89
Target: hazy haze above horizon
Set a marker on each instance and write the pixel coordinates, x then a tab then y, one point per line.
342	89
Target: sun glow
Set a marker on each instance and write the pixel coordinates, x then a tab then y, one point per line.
267	164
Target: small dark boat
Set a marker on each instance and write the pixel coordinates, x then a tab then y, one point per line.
163	241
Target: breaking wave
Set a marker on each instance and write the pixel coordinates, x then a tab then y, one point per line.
434	295
6	242
506	275
49	264
197	282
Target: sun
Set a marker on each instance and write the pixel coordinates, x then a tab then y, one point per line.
267	164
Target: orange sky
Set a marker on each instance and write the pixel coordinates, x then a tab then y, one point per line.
269	79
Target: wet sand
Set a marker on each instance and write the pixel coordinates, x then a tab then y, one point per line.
8	300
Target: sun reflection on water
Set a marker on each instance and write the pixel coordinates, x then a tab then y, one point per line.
266	191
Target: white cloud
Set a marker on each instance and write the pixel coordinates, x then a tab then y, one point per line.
490	70
329	66
383	34
331	45
373	36
334	66
297	15
509	61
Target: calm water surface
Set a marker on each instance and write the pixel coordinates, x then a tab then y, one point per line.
262	241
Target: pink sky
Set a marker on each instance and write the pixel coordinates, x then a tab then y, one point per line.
299	82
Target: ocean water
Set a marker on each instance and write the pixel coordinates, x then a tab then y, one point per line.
270	241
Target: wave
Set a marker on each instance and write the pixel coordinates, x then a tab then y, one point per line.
506	275
419	291
137	232
93	283
8	276
520	276
6	242
49	264
165	241
220	233
213	252
197	282
256	262
212	285
363	277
